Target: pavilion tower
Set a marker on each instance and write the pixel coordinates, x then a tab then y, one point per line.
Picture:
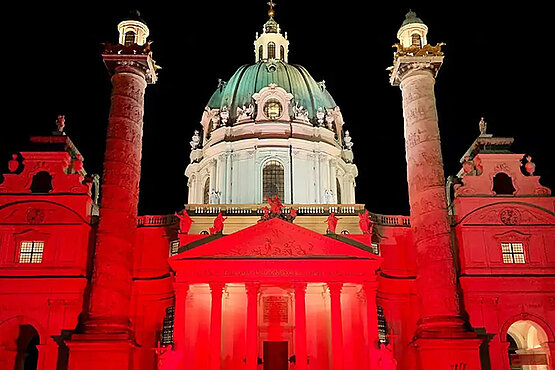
106	339
443	338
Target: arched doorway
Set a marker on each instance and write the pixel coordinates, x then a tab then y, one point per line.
527	346
27	352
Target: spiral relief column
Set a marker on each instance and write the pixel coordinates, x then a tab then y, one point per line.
106	318
443	337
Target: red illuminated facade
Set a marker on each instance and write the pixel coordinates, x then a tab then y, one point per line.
466	282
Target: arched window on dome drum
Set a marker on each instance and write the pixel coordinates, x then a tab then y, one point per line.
206	191
273	176
281	52
416	40
271	50
260	52
338	190
129	38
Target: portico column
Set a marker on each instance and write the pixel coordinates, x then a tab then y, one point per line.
181	292
372	322
216	290
336	325
300	326
252	325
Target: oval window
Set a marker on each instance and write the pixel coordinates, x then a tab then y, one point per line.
273	109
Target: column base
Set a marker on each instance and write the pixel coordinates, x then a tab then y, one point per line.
101	351
448	353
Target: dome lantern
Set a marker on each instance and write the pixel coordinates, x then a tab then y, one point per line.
271	44
133	30
413	31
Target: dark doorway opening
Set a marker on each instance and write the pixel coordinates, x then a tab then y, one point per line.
276	355
27	352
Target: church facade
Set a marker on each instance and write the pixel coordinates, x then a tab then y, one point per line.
272	264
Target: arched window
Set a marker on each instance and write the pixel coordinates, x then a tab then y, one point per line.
503	184
338	190
281	52
129	38
42	183
206	191
273	180
271	50
416	40
260	52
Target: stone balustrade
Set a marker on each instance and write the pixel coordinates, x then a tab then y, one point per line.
256	210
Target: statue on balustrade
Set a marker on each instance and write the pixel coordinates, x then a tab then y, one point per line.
185	222
218	224
365	224
332	223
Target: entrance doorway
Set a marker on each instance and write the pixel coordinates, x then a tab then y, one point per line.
527	346
276	355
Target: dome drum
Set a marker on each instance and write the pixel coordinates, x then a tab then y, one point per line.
271	118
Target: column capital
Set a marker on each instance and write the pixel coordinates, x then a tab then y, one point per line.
335	287
252	287
370	286
299	287
216	288
404	64
181	286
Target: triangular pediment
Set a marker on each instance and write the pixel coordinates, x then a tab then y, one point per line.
277	238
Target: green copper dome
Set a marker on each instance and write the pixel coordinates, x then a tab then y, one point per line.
411	17
250	79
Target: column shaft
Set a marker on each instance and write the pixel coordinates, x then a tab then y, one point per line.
110	295
252	326
336	325
436	277
300	326
216	290
181	292
372	322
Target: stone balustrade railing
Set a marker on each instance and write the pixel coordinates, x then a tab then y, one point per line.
256	210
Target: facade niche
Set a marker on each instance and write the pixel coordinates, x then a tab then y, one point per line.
42	183
503	184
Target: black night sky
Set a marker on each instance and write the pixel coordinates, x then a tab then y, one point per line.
495	66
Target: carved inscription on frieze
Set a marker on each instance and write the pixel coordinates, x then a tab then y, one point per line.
275	309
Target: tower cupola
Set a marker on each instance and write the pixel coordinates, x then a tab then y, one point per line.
133	30
413	31
271	44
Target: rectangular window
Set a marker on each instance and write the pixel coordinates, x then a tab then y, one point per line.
31	251
513	252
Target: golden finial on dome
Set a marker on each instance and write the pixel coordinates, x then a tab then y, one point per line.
271	12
